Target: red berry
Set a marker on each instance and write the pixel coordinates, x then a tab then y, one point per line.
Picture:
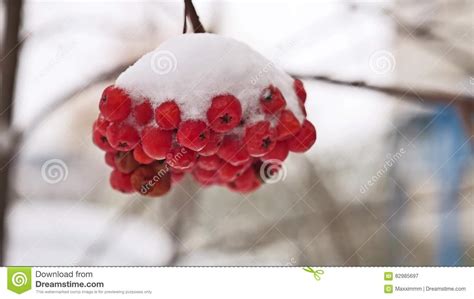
271	100
280	152
151	181
303	109
248	177
160	167
193	134
224	114
121	181
168	115
115	104
228	172
110	159
233	151
211	148
176	176
304	139
122	137
299	89
143	113
101	141
140	155
125	162
246	182
101	125
204	177
210	162
259	138
156	142
181	158
288	125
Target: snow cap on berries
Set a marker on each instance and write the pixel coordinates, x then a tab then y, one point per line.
192	69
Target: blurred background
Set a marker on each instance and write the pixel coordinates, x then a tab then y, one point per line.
389	181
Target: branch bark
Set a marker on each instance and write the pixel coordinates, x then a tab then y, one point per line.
466	111
9	73
190	11
102	77
464	103
435	96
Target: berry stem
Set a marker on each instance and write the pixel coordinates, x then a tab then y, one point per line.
190	11
185	27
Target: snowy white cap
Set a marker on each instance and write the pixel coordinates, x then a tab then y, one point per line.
193	68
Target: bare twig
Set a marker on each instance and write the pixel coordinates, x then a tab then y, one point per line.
466	112
426	35
337	225
18	136
185	24
190	11
435	96
431	41
463	102
9	74
102	77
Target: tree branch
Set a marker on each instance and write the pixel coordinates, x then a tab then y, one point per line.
185	24
9	76
435	96
463	102
190	11
104	76
466	111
